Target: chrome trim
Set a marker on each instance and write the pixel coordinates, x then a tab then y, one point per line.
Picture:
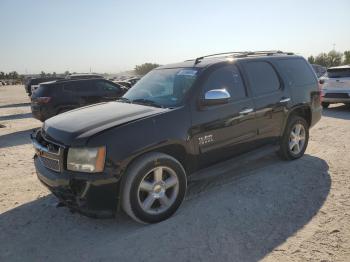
217	94
41	148
284	100
246	111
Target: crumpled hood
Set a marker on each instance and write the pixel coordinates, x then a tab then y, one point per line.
76	126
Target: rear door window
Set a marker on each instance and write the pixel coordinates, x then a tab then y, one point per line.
297	72
229	78
106	87
262	77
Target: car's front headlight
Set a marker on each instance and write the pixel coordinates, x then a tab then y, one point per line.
89	160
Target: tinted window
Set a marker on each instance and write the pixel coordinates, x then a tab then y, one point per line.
86	86
262	77
105	86
338	72
80	86
70	87
227	77
297	72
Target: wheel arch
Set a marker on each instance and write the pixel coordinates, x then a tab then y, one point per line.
175	150
303	111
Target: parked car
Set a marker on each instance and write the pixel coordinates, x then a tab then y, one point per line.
137	153
56	97
336	86
133	80
319	70
83	76
33	83
124	83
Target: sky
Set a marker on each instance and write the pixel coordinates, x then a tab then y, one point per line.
114	36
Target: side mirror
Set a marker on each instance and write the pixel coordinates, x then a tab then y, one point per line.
215	97
321	81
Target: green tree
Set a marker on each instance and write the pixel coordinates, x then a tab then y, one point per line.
2	75
42	74
346	58
321	59
334	58
13	75
145	68
66	73
54	74
311	59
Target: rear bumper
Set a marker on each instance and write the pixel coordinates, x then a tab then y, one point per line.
336	100
40	112
87	195
336	95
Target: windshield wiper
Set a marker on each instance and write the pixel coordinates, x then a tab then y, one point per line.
146	102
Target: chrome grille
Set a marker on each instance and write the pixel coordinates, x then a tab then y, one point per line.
49	154
53	164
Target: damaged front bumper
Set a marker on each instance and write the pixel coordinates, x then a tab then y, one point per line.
94	195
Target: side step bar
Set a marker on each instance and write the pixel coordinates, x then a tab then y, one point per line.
233	163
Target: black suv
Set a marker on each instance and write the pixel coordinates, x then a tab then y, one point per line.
36	81
56	97
137	153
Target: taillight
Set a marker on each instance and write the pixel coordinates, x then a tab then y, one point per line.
320	89
43	100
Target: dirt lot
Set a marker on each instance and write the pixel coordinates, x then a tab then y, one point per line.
266	210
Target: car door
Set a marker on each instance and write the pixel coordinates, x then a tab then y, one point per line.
271	98
87	92
224	130
108	91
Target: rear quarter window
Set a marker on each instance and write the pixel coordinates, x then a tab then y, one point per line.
297	72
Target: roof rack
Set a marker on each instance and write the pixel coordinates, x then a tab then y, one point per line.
243	54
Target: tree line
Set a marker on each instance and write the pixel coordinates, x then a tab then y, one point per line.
11	75
332	58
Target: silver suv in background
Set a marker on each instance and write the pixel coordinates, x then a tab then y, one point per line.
336	86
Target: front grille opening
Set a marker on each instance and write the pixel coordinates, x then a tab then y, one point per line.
53	164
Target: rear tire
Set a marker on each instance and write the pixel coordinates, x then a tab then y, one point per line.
153	188
295	139
325	104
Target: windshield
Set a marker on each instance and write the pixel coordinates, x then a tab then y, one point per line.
162	87
338	72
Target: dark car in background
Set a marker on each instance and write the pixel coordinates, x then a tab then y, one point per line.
32	83
55	97
83	76
133	80
137	153
123	83
319	70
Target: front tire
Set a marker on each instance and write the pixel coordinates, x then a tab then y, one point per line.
153	188
295	139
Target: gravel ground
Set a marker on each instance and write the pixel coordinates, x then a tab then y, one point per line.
266	209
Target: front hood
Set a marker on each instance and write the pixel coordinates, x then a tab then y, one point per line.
76	126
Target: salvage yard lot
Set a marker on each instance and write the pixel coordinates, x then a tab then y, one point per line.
269	209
